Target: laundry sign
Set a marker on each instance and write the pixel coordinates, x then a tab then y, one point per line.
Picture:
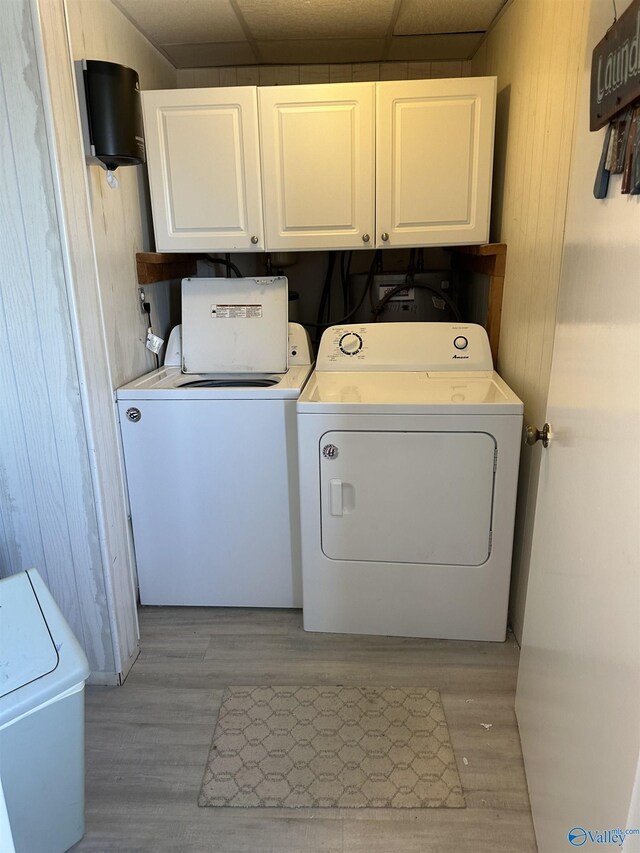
615	68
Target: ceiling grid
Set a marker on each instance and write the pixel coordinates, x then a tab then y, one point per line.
209	33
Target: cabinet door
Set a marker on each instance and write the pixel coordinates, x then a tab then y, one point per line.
434	158
204	169
318	165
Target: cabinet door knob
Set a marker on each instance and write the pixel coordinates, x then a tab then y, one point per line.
384	236
254	239
365	238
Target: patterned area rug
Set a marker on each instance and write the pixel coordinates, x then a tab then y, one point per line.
331	747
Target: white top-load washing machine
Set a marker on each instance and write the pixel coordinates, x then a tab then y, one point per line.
409	446
211	457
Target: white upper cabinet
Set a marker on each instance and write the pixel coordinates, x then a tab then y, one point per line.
434	158
332	166
204	169
318	169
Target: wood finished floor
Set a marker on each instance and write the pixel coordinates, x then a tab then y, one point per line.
147	742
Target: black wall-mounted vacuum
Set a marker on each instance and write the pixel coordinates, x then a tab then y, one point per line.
111	114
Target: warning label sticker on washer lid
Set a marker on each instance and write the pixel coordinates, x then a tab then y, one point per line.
236	312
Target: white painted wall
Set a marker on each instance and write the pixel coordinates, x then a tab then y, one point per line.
578	696
536	50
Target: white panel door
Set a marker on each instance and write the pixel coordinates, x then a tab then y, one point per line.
403	497
578	695
204	169
318	165
434	159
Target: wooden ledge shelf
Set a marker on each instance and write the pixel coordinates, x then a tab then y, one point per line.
161	266
490	260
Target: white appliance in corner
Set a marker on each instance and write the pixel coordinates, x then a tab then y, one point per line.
213	480
409	445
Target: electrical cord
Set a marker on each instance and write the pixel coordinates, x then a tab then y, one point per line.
324	306
376	307
354	310
345	267
379	270
227	263
146	307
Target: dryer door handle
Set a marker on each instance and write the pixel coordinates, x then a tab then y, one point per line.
335	497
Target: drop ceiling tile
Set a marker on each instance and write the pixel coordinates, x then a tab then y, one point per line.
421	17
321	50
202	55
436	47
184	22
320	19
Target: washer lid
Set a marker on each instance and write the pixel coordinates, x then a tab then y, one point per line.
408	392
237	325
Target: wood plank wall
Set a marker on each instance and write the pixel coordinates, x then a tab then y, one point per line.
71	324
281	75
536	50
121	218
47	510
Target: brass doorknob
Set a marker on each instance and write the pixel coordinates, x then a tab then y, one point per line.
532	435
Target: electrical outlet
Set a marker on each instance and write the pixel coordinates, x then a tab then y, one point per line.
142	298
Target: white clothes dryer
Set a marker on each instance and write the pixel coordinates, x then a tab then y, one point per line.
409	445
212	477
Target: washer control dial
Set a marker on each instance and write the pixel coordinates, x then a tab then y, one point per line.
350	343
460	342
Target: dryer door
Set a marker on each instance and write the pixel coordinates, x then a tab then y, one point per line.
407	497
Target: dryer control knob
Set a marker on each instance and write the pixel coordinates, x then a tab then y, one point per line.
350	343
460	342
